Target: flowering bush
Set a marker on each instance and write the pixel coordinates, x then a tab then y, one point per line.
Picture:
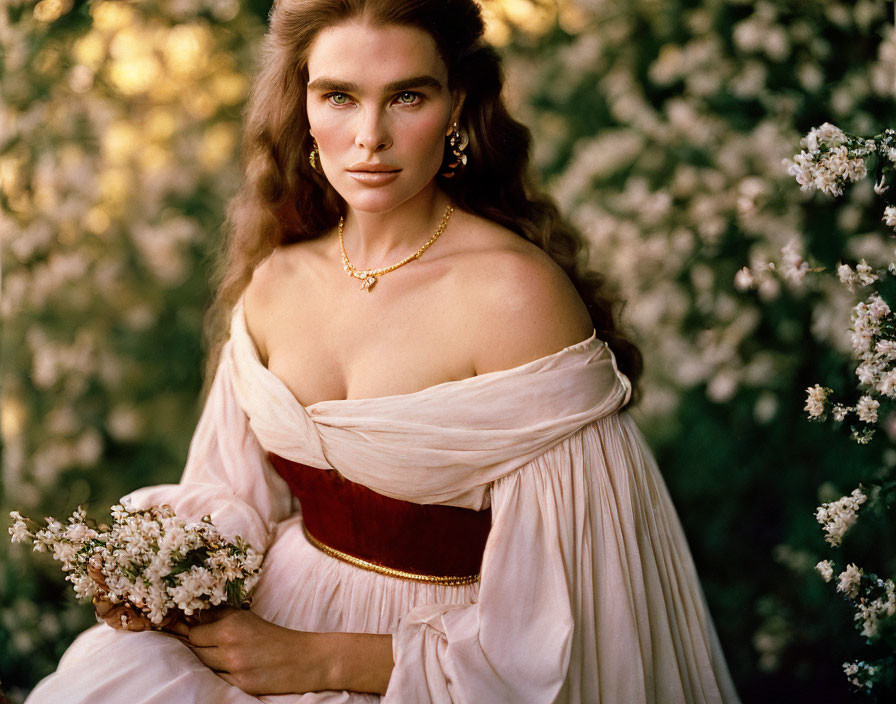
119	128
662	133
162	565
829	160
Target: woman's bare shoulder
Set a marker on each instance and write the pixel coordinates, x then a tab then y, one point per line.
519	304
270	285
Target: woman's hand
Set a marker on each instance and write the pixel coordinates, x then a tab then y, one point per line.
123	616
260	657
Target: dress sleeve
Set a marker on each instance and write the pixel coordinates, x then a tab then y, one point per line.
588	592
227	473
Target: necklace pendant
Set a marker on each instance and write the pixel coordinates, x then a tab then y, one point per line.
368	283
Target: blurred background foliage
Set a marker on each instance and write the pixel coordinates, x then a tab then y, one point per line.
660	127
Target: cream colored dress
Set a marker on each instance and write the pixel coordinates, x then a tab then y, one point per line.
588	591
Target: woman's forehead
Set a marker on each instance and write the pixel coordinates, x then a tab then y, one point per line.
374	57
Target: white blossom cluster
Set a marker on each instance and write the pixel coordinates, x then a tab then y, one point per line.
850	581
792	268
860	674
862	275
875	598
829	159
826	569
872	344
148	558
816	397
837	517
871	611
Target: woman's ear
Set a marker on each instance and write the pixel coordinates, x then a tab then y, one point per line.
459	96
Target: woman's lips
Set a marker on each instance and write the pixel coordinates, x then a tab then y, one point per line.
374	178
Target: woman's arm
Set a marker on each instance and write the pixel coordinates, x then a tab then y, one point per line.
260	657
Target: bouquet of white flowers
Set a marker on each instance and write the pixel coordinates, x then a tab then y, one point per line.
161	566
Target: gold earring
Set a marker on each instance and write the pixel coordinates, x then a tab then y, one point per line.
314	156
457	142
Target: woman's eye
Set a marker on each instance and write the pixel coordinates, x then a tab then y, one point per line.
408	98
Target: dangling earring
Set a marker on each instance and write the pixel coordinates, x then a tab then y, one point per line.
314	156
457	142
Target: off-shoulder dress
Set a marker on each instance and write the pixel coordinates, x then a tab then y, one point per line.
587	594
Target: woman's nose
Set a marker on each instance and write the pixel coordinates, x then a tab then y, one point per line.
373	132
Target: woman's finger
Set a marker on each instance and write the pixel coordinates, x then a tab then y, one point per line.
177	628
102	605
97	576
212	657
125	617
212	623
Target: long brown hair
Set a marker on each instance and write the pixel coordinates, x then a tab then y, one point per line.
282	199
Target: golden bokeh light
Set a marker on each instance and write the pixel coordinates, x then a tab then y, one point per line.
90	50
152	157
229	88
115	188
533	17
112	15
51	10
119	141
160	123
47	60
200	104
97	220
217	148
135	74
13	416
11	176
186	49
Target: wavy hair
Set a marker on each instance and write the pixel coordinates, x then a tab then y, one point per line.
283	200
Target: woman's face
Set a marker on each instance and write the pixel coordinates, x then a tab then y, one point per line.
379	108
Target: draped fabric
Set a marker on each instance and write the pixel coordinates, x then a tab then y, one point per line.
588	592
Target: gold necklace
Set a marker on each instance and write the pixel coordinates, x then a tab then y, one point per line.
369	276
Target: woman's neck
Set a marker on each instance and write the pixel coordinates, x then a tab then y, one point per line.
374	240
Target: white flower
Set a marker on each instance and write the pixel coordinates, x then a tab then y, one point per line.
850	580
886	348
880	188
866	409
868	374
847	276
825	569
815	399
19	529
870	613
743	279
860	674
890	216
839	411
886	384
865	274
793	267
837	517
827	135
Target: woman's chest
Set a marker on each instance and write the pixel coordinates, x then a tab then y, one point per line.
357	350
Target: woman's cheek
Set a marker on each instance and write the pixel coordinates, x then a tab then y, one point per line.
426	133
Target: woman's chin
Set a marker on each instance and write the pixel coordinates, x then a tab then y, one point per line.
379	199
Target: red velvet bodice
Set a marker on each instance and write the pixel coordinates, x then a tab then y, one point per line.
426	539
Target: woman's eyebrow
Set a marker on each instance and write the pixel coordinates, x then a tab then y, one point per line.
424	81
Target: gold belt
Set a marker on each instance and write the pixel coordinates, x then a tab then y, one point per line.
450	581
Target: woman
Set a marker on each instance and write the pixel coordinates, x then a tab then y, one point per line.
415	359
